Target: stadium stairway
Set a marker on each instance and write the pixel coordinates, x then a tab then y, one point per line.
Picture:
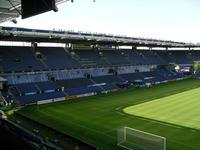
96	83
106	61
46	67
1	67
161	74
37	87
75	57
121	78
189	57
160	59
126	57
2	99
13	94
86	62
172	57
40	60
67	51
128	60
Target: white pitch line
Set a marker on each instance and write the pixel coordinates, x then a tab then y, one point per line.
121	113
166	124
146	119
155	121
194	130
118	108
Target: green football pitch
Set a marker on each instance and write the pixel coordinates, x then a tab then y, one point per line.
170	110
181	109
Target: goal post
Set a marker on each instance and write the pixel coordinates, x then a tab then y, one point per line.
133	139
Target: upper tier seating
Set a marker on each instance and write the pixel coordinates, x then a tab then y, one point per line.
115	57
57	58
18	59
182	57
194	55
135	57
89	58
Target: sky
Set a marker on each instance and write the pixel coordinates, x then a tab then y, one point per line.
177	20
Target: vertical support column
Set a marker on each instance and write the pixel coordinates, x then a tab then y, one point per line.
134	48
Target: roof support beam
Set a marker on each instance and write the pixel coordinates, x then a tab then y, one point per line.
5	11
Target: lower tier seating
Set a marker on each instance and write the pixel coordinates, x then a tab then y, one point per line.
32	92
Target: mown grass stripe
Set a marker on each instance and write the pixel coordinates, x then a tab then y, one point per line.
181	109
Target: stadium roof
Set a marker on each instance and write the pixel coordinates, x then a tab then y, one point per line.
11	9
61	36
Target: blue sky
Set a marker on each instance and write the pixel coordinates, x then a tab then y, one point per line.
177	20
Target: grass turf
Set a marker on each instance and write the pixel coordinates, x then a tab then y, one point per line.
180	109
96	119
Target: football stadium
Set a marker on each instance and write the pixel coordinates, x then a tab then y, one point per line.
94	91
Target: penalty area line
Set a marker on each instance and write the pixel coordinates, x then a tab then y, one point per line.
155	121
118	108
123	114
166	124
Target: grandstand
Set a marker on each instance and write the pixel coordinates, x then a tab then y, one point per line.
42	73
89	89
38	75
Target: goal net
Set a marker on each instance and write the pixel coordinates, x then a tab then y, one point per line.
133	139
